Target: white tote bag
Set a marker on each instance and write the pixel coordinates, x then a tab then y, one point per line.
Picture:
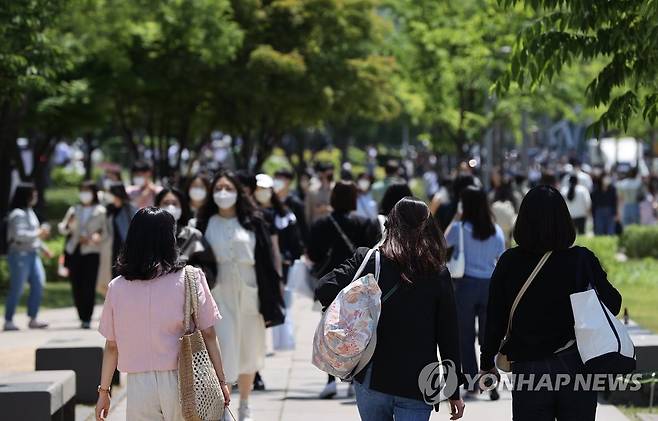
457	263
603	341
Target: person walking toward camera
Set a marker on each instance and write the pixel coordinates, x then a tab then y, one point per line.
542	338
474	233
418	314
143	321
248	285
85	227
24	237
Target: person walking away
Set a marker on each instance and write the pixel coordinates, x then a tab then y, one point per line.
484	242
282	188
419	315
142	192
85	226
334	238
198	191
318	196
579	203
143	321
628	192
503	207
445	210
542	341
365	204
604	205
24	239
249	285
394	193
193	249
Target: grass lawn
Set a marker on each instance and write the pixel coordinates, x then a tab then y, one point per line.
636	280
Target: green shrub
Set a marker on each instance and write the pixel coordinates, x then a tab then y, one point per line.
639	241
66	177
56	245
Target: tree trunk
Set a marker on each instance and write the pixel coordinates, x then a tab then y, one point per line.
89	149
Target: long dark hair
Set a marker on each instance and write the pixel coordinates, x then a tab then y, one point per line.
413	240
476	210
182	198
22	196
544	222
573	182
150	249
245	209
392	196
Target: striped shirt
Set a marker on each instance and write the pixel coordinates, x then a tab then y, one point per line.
480	255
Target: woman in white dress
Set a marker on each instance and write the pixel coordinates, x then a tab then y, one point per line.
248	288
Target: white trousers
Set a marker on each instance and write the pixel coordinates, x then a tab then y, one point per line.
153	396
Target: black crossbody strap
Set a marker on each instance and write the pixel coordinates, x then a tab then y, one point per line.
344	236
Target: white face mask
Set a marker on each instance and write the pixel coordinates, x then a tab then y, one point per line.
278	185
86	197
364	185
175	211
263	196
225	199
139	181
198	194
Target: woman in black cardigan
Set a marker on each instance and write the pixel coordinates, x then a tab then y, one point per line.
542	338
419	316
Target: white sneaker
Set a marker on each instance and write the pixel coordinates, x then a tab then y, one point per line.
350	391
329	391
244	414
10	327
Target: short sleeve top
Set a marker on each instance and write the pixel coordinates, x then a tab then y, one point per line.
146	319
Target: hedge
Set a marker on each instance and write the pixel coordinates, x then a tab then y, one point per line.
640	241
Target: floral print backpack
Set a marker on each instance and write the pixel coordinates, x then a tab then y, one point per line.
346	337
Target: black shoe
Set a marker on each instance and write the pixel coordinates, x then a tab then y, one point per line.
494	395
258	383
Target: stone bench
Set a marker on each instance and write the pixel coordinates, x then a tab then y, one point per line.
38	396
82	354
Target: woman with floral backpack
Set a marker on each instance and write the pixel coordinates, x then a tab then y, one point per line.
417	317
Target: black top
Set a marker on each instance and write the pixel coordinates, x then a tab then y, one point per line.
296	205
414	320
604	198
543	320
325	238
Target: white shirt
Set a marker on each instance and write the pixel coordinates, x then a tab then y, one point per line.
581	203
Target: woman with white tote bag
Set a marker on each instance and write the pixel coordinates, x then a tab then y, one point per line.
543	272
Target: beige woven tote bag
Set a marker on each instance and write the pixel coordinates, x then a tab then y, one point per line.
200	393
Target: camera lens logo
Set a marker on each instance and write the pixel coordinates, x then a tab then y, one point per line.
438	381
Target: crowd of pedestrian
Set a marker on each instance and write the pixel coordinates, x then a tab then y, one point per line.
244	232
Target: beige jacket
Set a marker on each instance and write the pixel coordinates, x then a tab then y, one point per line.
96	223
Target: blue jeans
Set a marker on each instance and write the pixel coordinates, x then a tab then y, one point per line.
604	221
24	266
631	214
471	296
378	406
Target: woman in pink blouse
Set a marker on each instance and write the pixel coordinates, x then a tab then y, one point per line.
142	321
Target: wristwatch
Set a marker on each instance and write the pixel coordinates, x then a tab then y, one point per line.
108	390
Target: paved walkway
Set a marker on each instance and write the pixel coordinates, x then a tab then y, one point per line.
292	382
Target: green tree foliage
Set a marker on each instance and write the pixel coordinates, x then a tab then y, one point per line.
623	34
303	63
